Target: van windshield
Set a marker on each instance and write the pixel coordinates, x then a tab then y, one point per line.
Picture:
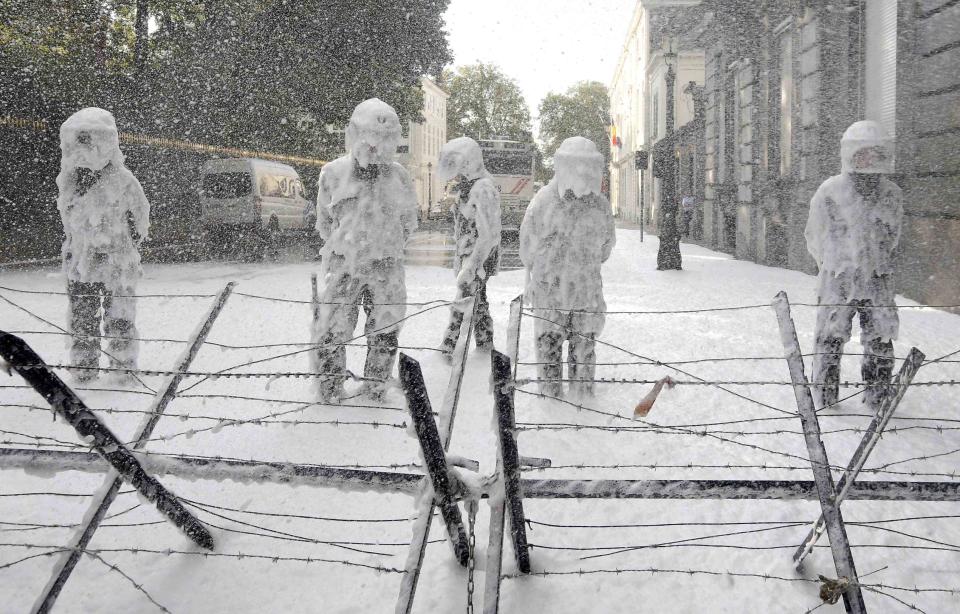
227	185
280	186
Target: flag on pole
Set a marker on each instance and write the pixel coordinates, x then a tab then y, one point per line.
614	137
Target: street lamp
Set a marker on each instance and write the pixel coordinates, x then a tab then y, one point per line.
429	187
668	254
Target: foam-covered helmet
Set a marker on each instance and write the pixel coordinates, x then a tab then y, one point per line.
89	139
373	134
866	148
461	156
578	167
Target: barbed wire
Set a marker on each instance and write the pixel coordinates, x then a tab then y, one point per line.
729	308
291	537
57	293
232	422
532	427
212	375
657	363
641	357
707	572
212	396
216	344
275	299
703	382
113	567
654	570
769	526
366	333
761	466
185	417
29	526
299	516
634	525
52	325
718	437
437	302
789	546
82	389
207	554
189	457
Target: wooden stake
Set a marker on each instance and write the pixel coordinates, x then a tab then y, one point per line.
114	479
509	457
839	544
494	565
869	441
513	332
421	526
433	453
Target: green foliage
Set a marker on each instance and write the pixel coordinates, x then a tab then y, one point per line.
582	111
485	103
266	75
261	74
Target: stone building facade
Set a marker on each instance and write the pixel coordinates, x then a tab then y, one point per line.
421	145
783	80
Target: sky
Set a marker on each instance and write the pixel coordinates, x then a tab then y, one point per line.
544	45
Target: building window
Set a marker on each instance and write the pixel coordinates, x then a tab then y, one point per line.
880	72
655	116
787	90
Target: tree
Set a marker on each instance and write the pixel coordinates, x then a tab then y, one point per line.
265	75
582	111
484	103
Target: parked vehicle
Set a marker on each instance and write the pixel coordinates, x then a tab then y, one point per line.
246	203
512	165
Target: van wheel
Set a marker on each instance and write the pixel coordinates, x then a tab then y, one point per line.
214	243
270	239
249	245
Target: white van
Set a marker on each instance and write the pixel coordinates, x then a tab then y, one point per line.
248	192
246	204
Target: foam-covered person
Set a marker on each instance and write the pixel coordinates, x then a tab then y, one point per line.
476	228
566	235
852	232
105	217
366	210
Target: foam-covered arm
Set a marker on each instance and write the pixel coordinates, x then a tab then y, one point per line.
408	206
138	212
816	225
485	201
324	223
529	233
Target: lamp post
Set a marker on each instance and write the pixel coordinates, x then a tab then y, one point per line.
429	187
668	254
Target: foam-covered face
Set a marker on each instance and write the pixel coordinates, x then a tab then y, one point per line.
460	157
373	133
373	146
578	175
92	149
449	165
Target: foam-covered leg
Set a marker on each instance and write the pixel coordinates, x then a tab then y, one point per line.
337	321
826	370
877	365
483	327
582	363
119	325
84	300
550	359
